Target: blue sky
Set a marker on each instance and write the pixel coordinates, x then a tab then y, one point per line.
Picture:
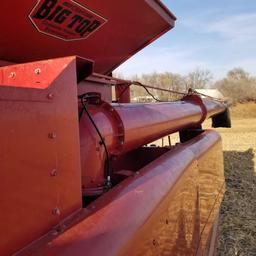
209	34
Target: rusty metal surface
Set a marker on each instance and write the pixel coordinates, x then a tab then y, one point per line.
131	24
40	176
163	210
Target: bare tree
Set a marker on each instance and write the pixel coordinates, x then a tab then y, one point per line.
238	85
238	74
199	79
165	80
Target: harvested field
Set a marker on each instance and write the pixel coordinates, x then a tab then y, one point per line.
237	227
237	223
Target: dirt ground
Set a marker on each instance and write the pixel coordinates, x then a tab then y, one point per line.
237	227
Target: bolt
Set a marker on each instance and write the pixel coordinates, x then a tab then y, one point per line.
52	135
56	211
54	232
37	71
53	173
50	96
60	228
114	158
12	75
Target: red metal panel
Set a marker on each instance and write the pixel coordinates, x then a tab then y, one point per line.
130	26
40	75
40	177
123	93
159	211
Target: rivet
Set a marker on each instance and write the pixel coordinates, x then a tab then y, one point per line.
50	96
37	71
53	173
12	75
52	135
56	211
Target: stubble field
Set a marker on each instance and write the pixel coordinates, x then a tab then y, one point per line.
237	226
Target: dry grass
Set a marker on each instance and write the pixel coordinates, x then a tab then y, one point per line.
246	110
237	227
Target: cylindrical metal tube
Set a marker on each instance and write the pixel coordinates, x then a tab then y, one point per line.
144	123
125	127
139	124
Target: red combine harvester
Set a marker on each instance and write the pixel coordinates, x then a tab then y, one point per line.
76	175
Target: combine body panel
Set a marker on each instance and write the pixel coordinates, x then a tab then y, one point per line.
76	174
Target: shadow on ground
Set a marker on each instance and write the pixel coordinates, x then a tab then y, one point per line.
237	227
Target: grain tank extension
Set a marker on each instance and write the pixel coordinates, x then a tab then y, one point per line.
77	176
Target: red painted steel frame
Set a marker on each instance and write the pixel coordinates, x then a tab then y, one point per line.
39	137
167	208
40	177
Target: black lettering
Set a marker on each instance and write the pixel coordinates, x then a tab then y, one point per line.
75	19
45	9
94	25
83	26
62	16
54	13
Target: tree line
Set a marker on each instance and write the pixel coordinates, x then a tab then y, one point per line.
238	85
